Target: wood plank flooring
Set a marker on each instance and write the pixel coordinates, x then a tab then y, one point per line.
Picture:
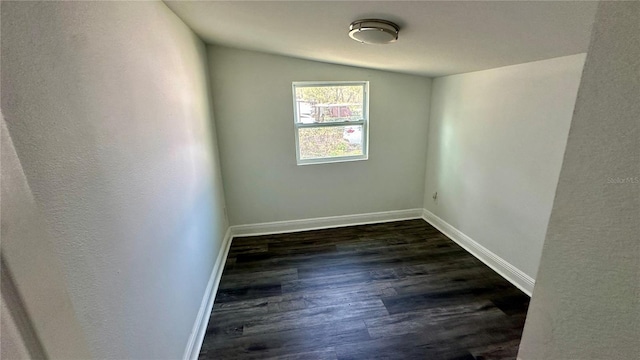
398	290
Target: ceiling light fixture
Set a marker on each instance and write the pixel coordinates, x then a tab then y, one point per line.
374	31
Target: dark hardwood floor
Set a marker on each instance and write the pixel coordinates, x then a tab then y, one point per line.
398	290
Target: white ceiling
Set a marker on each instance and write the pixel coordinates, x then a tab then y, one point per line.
436	38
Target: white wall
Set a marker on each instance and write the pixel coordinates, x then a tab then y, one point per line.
586	303
37	312
12	346
254	113
495	146
107	106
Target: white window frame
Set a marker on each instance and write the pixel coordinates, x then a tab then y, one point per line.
364	122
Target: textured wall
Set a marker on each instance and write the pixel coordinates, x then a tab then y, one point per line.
496	139
586	301
32	279
254	113
11	343
107	106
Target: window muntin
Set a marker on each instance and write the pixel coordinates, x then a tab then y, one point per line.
331	121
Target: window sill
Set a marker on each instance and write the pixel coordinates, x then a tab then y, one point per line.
332	160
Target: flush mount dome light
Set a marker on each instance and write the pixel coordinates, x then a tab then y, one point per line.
373	31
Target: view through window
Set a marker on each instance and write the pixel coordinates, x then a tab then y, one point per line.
331	121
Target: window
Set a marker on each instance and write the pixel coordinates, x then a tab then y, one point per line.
331	121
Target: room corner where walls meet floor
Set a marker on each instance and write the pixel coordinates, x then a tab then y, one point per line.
493	261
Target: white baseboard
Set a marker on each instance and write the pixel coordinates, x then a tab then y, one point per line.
514	275
279	227
200	326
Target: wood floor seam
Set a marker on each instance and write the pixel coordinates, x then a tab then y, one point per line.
395	290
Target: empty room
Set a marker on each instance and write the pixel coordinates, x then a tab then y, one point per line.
320	180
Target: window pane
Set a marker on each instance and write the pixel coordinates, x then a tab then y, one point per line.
333	141
329	103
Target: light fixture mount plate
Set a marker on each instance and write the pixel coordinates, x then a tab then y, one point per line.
374	31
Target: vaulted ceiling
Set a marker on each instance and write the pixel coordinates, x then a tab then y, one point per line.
436	38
